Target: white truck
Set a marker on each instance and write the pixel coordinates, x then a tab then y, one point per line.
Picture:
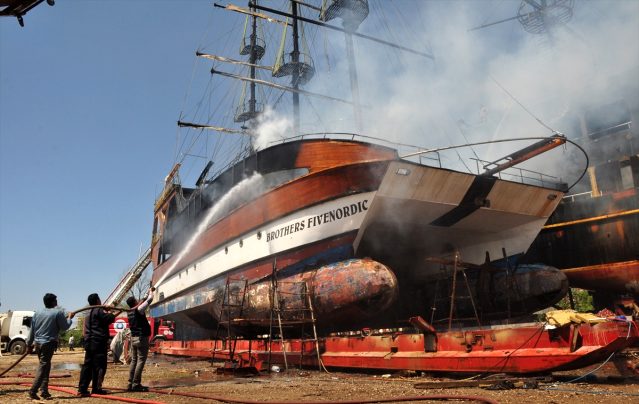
15	327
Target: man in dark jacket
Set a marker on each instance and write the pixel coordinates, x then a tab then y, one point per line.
46	326
140	333
96	344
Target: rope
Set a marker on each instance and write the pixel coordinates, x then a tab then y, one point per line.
522	105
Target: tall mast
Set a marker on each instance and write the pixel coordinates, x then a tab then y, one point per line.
252	60
300	65
352	70
254	47
296	71
352	14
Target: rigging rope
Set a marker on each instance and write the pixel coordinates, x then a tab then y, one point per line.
438	149
522	105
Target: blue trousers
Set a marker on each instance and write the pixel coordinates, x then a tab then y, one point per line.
45	354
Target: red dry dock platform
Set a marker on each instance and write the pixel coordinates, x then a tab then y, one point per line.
515	348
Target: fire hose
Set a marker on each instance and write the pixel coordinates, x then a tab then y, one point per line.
63	388
374	400
102	306
28	351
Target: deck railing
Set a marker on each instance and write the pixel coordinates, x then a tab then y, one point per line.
522	175
433	158
581	195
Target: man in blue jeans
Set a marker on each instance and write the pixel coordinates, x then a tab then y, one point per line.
46	326
140	333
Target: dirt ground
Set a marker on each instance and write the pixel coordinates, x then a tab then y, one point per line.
609	384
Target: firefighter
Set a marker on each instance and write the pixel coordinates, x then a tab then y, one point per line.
47	324
140	333
96	345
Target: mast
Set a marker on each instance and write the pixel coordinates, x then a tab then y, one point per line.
297	64
352	14
254	47
352	70
300	65
296	71
252	60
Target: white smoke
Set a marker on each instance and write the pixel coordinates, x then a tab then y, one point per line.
271	127
455	99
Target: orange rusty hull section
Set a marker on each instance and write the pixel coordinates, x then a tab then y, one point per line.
595	241
515	349
616	276
338	293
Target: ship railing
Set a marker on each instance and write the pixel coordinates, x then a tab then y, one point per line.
431	158
625	126
579	196
517	174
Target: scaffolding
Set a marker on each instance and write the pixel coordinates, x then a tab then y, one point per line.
290	309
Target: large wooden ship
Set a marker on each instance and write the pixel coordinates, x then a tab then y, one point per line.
334	201
360	239
343	223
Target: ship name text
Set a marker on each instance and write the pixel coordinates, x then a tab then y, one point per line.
318	220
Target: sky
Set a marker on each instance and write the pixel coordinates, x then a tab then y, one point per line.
89	95
90	92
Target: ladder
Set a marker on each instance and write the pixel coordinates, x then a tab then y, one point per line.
315	340
453	297
305	315
233	302
129	279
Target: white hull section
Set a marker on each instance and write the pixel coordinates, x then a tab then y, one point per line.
316	223
420	212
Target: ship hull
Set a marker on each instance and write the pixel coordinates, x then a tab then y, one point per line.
330	295
616	277
490	293
396	212
595	241
430	212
